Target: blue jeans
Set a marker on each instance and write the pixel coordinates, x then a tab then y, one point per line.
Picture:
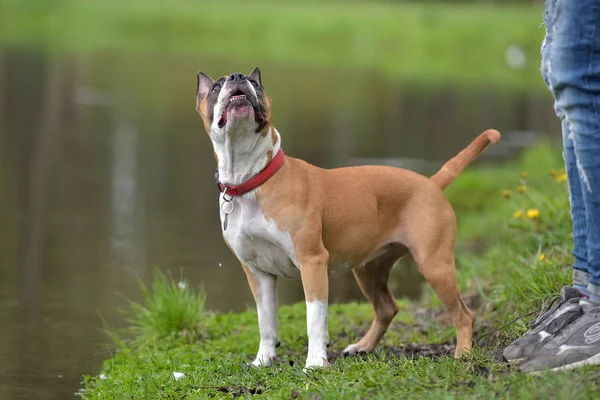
571	70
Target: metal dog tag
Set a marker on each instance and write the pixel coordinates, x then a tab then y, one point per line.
227	207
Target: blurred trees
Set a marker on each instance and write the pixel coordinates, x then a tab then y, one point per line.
495	2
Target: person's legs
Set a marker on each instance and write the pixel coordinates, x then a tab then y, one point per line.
573	76
574	79
580	272
581	275
560	20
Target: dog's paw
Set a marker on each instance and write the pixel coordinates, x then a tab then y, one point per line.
316	362
353	350
263	360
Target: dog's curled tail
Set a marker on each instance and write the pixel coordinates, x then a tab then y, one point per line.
456	165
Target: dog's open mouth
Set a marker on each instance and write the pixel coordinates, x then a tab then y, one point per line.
239	100
237	97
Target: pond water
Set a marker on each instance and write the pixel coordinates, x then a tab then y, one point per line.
106	174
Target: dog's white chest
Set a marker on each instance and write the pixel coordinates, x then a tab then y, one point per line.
258	242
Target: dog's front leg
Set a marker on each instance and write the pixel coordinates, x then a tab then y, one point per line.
264	290
316	290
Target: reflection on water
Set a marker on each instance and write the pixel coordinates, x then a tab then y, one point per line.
106	173
124	247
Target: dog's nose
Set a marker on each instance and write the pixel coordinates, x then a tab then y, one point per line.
236	78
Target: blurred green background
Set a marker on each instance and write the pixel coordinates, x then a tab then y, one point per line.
106	172
427	41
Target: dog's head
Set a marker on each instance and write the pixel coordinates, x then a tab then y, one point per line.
233	101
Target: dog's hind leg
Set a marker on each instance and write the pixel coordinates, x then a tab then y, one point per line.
441	276
373	281
435	256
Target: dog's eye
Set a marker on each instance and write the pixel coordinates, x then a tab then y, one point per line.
254	83
216	88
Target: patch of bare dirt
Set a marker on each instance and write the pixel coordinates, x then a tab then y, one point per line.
236	391
422	350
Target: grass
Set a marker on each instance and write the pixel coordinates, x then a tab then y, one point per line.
172	310
431	43
507	266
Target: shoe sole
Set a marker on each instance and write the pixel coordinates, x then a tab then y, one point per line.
594	360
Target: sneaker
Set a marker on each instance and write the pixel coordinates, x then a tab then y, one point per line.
553	317
576	345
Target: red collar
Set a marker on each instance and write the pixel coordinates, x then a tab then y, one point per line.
256	180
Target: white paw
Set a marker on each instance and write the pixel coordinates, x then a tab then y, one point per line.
351	350
316	361
263	360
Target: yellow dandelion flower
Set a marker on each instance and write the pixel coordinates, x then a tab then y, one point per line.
553	172
524	175
560	178
506	193
518	214
521	189
533	213
542	257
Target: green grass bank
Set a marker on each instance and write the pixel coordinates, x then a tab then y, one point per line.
513	251
460	43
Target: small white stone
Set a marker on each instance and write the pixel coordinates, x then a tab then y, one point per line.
181	285
220	265
102	376
178	375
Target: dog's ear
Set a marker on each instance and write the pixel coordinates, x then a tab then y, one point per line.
204	84
255	74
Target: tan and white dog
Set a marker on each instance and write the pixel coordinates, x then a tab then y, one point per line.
283	217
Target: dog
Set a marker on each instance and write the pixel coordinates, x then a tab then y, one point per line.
285	218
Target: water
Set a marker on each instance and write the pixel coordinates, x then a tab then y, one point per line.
106	173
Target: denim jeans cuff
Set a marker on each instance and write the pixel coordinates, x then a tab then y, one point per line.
594	289
580	277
